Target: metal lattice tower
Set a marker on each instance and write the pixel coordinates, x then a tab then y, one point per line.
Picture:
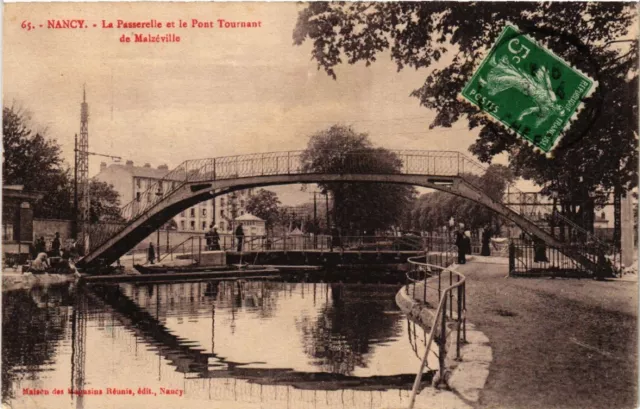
83	169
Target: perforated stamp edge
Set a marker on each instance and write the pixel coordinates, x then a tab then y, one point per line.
483	59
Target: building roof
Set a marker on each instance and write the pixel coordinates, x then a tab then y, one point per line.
141	171
248	217
17	192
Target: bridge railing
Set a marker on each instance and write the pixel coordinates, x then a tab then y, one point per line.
443	289
439	163
435	163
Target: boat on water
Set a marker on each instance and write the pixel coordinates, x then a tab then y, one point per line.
194	268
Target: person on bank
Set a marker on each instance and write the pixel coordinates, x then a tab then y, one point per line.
335	238
207	238
215	238
55	246
460	243
151	254
41	246
239	236
40	264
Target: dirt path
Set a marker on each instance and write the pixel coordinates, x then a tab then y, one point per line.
556	343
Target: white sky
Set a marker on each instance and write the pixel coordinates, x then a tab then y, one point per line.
218	92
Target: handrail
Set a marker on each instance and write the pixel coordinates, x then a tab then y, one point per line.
170	251
441	314
581	230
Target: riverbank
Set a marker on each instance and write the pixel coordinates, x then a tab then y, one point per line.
18	281
468	375
557	343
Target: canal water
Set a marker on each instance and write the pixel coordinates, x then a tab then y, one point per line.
222	344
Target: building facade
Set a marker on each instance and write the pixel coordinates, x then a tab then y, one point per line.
132	181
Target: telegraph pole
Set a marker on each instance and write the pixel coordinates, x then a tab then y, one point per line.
326	196
315	221
74	231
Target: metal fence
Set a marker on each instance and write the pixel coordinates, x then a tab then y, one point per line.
534	259
444	289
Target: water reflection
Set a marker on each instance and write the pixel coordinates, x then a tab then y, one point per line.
271	341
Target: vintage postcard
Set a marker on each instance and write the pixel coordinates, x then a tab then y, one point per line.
320	205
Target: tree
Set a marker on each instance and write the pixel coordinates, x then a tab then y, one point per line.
32	160
597	154
264	204
104	202
357	207
433	210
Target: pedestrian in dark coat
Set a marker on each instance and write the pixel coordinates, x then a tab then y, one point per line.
335	238
55	246
41	246
486	238
460	243
240	236
215	239
539	251
151	253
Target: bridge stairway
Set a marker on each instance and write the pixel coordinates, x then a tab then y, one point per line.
466	189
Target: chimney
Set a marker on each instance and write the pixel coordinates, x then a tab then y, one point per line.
147	165
130	163
103	166
163	167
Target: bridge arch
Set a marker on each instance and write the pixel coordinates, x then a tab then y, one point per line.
196	181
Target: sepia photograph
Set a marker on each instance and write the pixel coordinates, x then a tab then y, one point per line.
356	205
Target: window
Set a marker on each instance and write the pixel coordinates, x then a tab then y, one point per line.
138	183
182	214
138	196
193	212
241	212
7	232
222	201
204	225
221	212
204	212
221	225
193	225
182	224
242	203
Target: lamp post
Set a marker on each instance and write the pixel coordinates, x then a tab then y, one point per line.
452	222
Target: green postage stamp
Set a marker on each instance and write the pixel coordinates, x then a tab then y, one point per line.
528	89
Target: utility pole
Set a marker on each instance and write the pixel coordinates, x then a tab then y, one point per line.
315	221
74	231
326	196
82	166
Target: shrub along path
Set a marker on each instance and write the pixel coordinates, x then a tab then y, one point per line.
557	343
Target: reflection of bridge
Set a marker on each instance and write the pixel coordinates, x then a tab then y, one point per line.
198	180
192	360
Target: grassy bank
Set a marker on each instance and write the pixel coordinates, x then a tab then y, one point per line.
556	343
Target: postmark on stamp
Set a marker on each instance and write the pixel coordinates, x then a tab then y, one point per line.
528	89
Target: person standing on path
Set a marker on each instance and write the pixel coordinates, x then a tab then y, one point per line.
240	236
467	243
486	238
460	244
151	255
